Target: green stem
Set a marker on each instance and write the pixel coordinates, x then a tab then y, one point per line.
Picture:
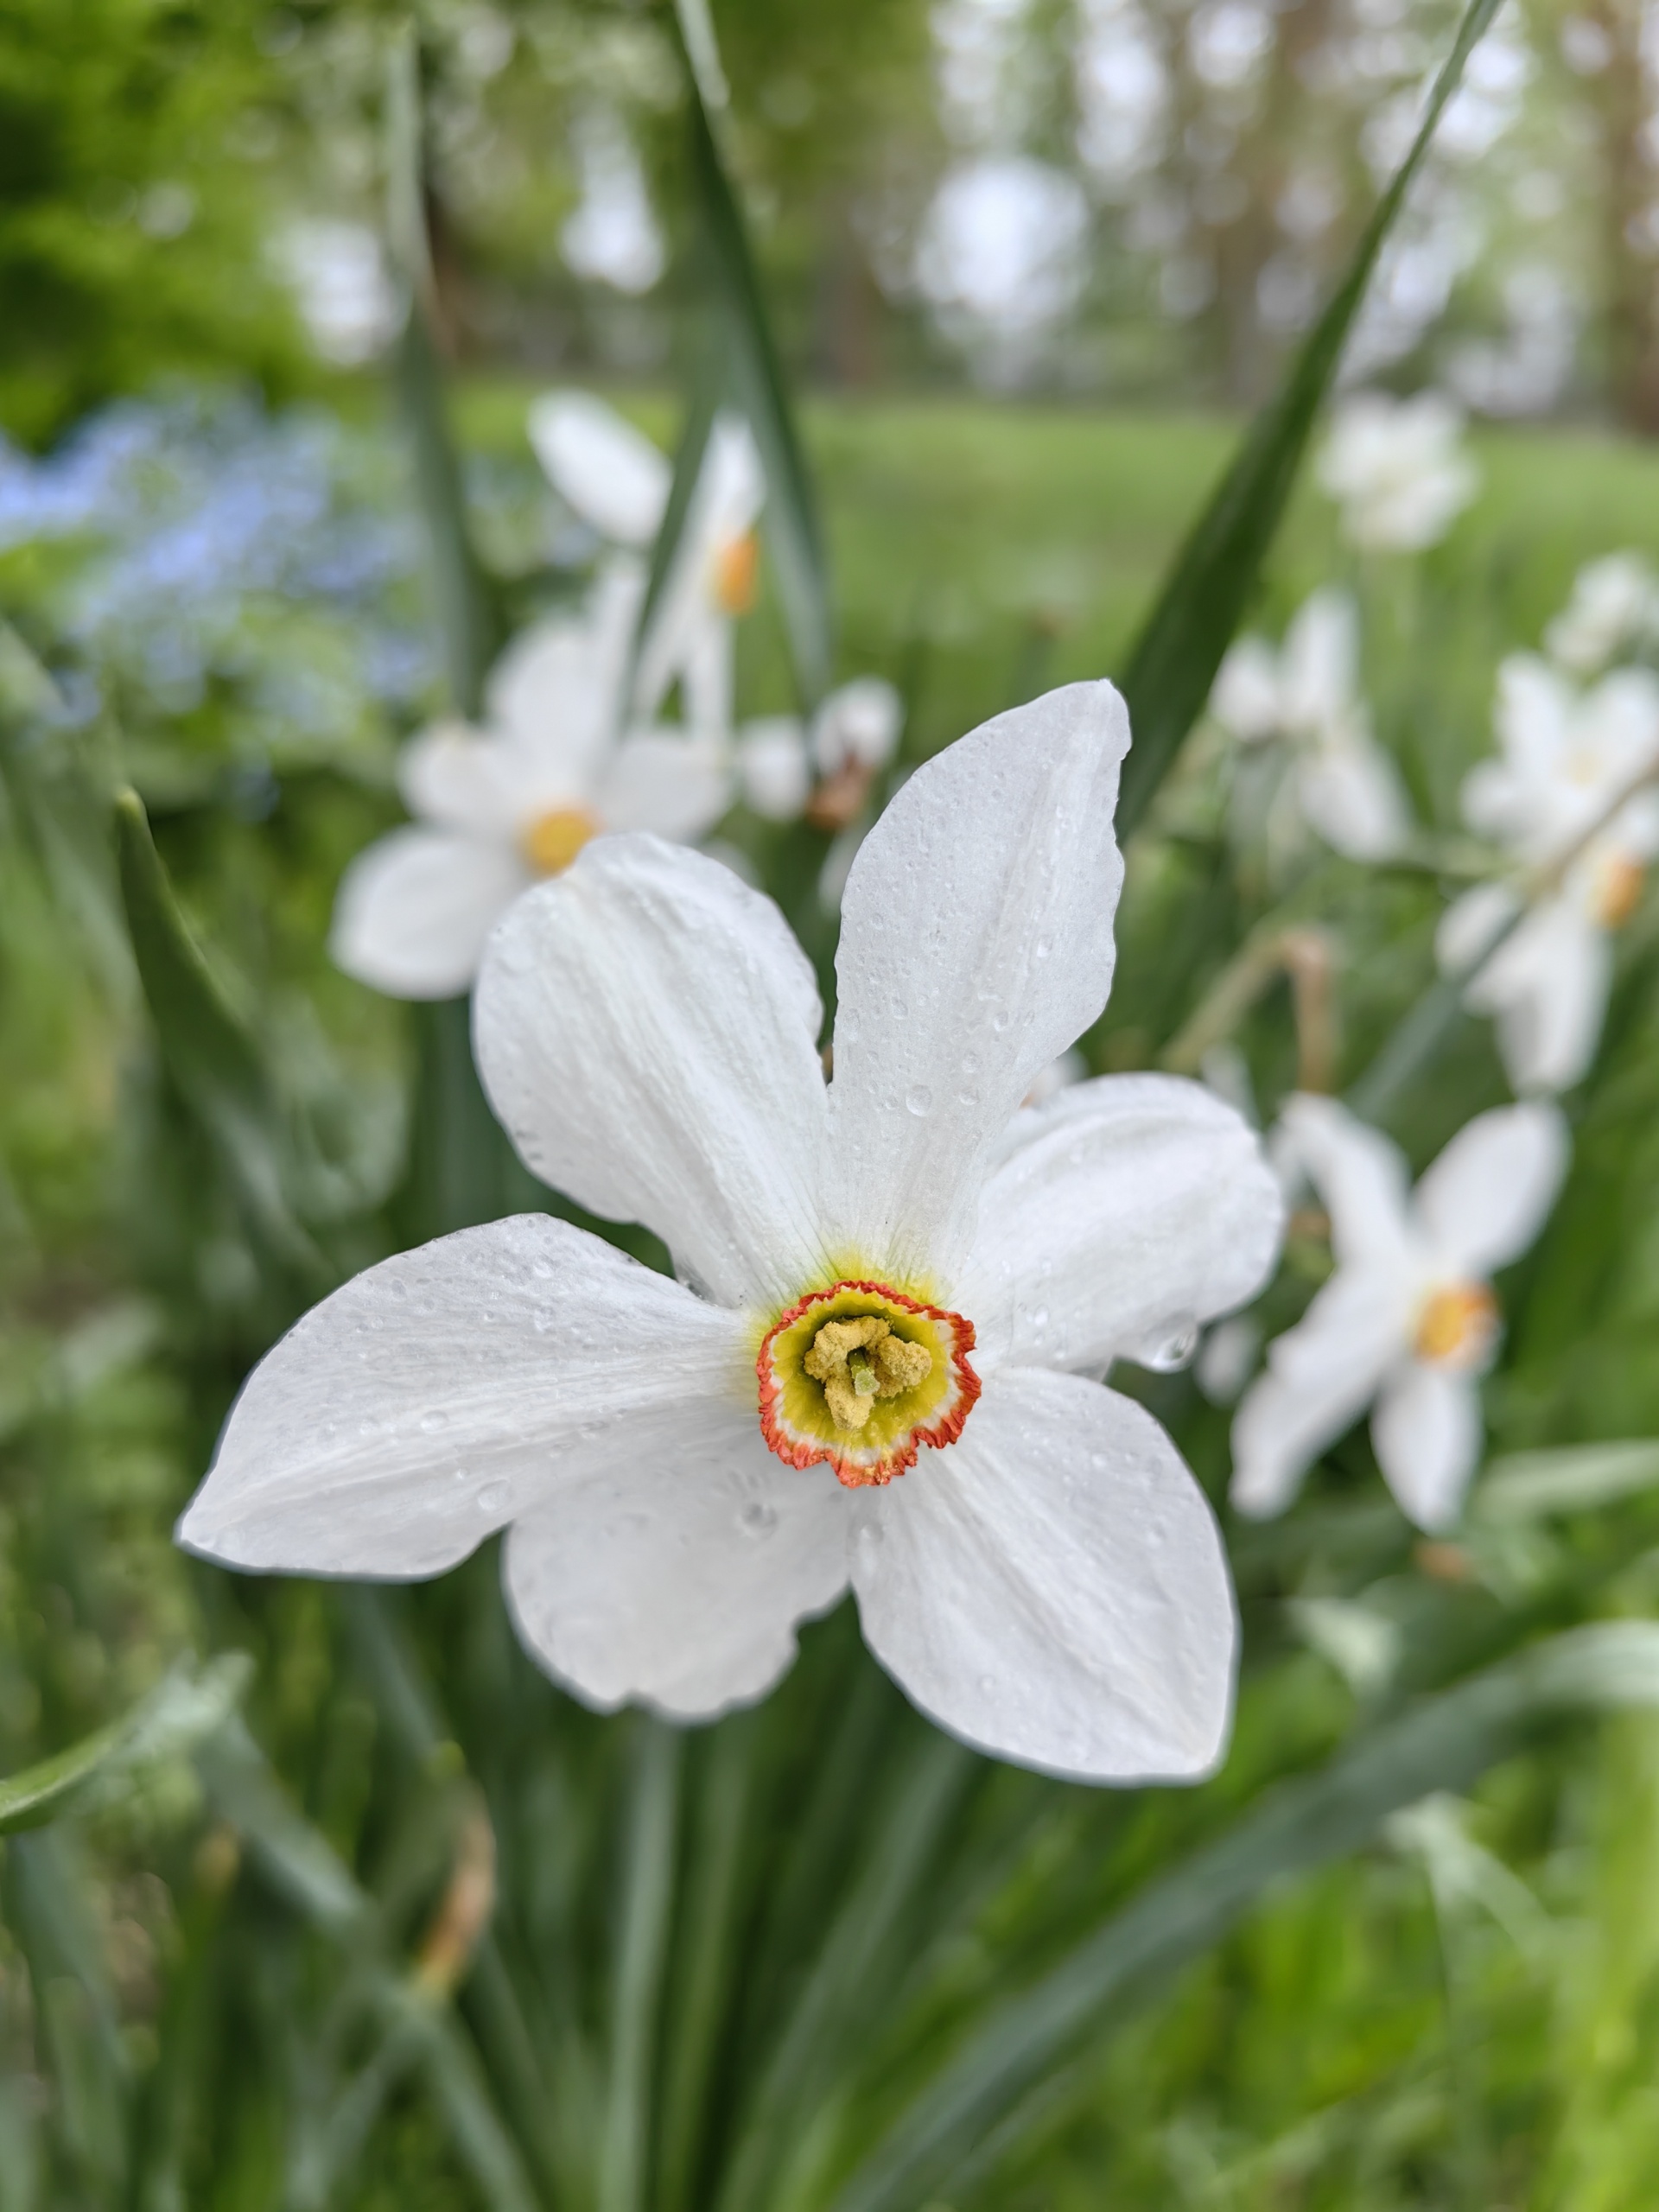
641	1954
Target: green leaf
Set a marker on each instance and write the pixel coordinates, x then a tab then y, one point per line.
182	1709
467	617
1173	663
208	1051
641	1955
757	380
1444	1743
1526	1486
687	468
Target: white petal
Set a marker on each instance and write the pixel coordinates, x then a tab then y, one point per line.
1471	923
647	1029
1487	1196
1427	1435
774	768
677	787
1320	1377
677	1572
1136	1207
436	1395
1534	715
1246	698
1548	984
459	780
1320	660
610	472
1052	1588
975	946
414	908
858	726
1351	793
1359	1173
556	692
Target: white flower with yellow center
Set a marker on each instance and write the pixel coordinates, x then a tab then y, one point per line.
1614	610
1408	1323
618	482
1565	782
1305	696
877	1367
498	810
1397	470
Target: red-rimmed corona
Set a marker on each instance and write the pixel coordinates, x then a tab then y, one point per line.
860	1375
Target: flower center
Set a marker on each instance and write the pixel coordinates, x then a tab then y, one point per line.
1617	890
737	565
1458	1327
553	839
861	1376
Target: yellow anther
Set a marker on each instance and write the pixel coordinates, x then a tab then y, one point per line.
860	1360
553	839
737	566
1457	1326
1617	890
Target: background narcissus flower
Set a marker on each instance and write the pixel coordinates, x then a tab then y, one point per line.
1563	789
1408	1321
499	808
896	1290
1397	470
1306	694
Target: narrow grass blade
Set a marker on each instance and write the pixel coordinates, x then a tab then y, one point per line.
819	2037
207	1049
757	377
648	1874
178	1713
466	619
687	468
1443	1744
1174	661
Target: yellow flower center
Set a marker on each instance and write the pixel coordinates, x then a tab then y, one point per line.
1457	1327
553	839
737	566
861	1376
860	1360
1617	890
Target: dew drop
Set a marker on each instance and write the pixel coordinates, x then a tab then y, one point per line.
970	1064
967	1097
492	1497
758	1518
1043	947
1001	1019
919	1099
433	1422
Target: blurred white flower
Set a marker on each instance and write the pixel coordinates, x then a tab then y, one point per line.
857	727
690	1468
1307	694
1564	757
338	275
774	769
618	482
611	235
498	810
1408	1320
853	733
1397	470
1614	610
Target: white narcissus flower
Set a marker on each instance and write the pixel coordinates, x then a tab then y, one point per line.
1397	470
498	810
1565	756
877	1367
1307	694
1614	610
618	482
854	732
1408	1323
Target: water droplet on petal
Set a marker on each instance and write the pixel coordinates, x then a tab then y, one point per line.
758	1518
433	1422
919	1099
493	1496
